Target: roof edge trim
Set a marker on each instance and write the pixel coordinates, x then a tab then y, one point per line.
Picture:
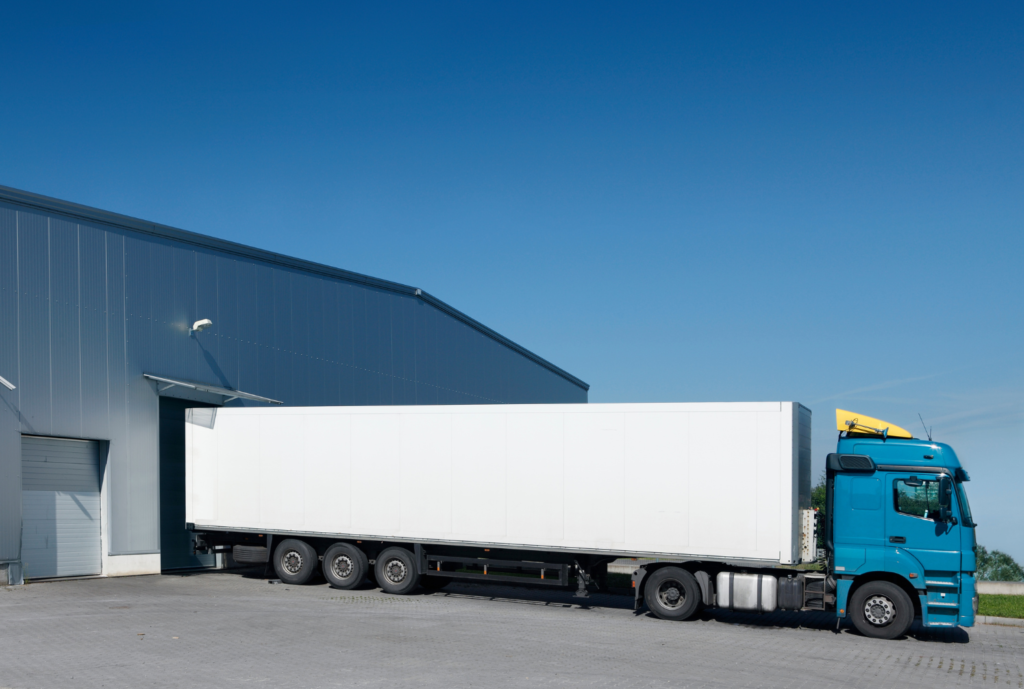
47	203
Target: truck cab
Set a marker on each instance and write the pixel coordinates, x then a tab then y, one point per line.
899	534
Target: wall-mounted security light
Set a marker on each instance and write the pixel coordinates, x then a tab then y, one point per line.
200	326
6	383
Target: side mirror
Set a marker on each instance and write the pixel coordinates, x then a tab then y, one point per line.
945	492
946	500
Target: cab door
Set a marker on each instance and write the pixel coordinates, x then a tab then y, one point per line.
921	524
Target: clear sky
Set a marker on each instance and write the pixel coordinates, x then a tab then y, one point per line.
706	202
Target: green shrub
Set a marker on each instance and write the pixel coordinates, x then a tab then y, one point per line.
1001	606
997	566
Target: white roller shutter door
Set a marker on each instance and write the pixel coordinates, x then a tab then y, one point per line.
61	507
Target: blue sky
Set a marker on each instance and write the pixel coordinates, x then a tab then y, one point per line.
673	202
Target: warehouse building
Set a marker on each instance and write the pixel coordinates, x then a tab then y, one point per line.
110	327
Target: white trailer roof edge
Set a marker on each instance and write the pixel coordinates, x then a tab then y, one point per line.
618	408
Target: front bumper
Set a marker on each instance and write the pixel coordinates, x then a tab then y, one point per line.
968	600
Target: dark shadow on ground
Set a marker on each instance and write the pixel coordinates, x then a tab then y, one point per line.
825	621
550	597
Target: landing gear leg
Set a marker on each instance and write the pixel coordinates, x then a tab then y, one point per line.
583	579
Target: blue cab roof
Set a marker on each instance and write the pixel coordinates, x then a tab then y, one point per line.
908	452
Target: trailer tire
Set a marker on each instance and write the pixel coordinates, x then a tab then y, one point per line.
396	571
881	610
345	566
295	561
672	593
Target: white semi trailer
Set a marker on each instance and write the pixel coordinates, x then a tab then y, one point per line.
529	494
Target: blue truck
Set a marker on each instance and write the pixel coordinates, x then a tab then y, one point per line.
898	542
899	534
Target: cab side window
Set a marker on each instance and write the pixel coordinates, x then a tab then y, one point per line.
917	498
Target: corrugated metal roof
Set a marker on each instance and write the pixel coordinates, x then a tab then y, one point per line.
31	200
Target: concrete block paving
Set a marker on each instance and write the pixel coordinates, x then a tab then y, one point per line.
234	629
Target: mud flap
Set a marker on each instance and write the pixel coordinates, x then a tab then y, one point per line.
707	589
639	574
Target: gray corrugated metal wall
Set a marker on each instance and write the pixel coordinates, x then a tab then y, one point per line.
88	306
10	424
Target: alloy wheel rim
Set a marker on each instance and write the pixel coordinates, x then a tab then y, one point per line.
395	571
671	594
342	566
292	561
879	610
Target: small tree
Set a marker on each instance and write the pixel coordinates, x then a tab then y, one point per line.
997	566
818	503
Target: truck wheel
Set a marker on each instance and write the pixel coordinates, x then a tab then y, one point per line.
345	566
672	593
396	571
881	610
294	561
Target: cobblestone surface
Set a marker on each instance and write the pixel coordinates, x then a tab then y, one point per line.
233	629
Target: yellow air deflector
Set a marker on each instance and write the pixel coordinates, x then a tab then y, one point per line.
858	423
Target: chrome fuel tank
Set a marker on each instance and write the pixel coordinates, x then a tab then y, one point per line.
751	592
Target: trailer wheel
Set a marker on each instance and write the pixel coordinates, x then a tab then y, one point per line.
881	610
345	566
396	571
294	561
672	593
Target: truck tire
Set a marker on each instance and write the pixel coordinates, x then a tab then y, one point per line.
294	561
672	593
881	610
345	566
396	571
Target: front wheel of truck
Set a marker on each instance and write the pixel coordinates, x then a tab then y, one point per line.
881	610
672	593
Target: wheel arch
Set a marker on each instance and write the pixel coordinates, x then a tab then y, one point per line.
704	575
893	578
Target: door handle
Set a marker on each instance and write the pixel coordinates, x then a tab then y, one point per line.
897	539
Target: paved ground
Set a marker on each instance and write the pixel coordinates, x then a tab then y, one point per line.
228	629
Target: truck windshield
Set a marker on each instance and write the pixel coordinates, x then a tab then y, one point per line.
965	507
